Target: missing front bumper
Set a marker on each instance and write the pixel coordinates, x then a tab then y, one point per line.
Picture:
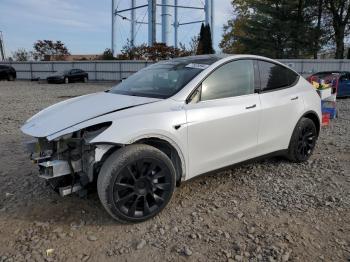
58	168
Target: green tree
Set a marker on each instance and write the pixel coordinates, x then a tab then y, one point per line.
278	29
48	49
205	43
107	54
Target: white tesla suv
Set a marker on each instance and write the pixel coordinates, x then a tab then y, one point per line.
170	122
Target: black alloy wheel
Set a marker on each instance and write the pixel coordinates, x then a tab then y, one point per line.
136	183
303	141
306	142
142	187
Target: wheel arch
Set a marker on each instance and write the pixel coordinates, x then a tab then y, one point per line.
314	117
168	147
162	143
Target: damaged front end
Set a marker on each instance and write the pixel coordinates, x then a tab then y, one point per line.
70	162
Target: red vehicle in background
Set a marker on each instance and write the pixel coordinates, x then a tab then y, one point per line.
338	80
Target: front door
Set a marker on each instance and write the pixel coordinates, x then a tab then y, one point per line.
223	119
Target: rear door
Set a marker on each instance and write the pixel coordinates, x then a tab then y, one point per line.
223	118
281	106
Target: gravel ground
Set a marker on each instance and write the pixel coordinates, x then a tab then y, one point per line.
270	210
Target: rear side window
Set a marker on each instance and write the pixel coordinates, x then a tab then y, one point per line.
273	76
232	79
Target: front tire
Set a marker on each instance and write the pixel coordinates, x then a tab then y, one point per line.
136	183
303	141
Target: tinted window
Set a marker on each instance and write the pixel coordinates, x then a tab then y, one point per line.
232	79
273	76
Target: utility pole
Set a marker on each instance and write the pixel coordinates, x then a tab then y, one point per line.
212	19
2	48
152	8
113	28
176	23
166	21
209	15
133	23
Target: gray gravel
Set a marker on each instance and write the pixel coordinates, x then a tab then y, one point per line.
271	210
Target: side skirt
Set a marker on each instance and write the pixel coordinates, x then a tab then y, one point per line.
281	153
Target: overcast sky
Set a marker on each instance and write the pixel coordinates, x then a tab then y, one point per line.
85	25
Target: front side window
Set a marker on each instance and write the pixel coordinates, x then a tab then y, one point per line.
273	76
232	79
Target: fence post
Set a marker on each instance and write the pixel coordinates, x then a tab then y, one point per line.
52	67
340	64
31	70
302	67
95	70
120	71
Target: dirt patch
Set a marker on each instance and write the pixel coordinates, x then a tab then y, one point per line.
271	210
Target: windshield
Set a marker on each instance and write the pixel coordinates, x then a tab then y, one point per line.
161	80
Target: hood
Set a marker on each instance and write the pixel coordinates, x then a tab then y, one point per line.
77	110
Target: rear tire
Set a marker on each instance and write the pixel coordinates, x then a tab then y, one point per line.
136	183
11	78
303	141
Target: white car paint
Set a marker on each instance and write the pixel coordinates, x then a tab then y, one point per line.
73	111
213	134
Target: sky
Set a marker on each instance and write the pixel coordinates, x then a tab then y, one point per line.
85	25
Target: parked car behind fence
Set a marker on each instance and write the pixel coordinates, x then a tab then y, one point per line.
69	76
7	72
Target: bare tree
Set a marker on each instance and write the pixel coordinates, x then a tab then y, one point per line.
44	49
21	55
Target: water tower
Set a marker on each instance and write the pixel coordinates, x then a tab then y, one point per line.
170	24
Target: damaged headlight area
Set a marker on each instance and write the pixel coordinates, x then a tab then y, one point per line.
69	163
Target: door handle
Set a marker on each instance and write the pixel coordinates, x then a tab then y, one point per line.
250	107
295	98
